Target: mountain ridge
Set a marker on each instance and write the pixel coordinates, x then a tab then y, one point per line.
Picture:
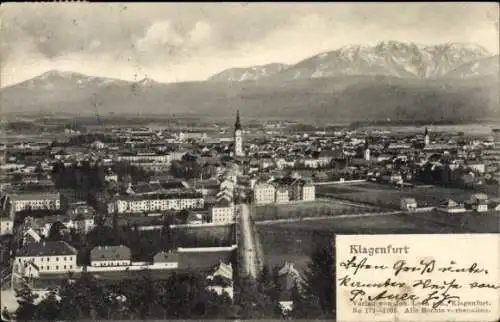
390	58
466	92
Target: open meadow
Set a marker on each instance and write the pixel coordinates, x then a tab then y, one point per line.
382	195
317	208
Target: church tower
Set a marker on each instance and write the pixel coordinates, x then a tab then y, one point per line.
238	140
367	150
426	137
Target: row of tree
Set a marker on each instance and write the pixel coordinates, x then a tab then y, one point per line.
89	177
178	296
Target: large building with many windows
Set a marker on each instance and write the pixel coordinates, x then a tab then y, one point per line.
264	193
45	257
222	212
17	202
157	202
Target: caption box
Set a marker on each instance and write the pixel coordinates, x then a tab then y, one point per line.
452	277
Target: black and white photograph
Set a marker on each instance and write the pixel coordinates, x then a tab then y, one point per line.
198	161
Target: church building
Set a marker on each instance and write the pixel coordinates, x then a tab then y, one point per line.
238	139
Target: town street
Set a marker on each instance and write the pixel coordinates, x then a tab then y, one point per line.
248	249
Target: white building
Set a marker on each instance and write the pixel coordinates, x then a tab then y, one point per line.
221	279
451	207
366	151
161	202
6	226
264	193
308	192
238	139
111	177
34	201
222	213
45	257
479	202
282	195
109	256
408	204
479	167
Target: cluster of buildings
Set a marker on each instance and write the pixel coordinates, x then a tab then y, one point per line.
45	260
284	190
270	166
478	202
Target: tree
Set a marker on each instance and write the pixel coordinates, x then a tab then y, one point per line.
49	308
320	277
253	303
26	299
183	215
305	306
55	232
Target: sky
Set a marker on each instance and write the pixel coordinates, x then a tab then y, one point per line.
173	42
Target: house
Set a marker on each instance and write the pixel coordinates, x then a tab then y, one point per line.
82	222
98	145
265	163
222	212
110	176
45	257
220	280
110	256
479	202
450	206
6	226
31	237
393	178
166	259
194	219
288	278
283	163
408	204
227	185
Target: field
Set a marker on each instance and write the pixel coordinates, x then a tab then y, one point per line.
294	241
307	209
390	197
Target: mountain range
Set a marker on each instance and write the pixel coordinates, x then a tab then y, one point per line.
400	81
391	58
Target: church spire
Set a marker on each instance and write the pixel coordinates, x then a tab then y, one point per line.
237	125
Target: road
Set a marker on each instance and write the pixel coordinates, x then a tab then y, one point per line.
248	247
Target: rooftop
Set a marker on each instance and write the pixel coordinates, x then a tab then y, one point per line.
100	253
47	248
